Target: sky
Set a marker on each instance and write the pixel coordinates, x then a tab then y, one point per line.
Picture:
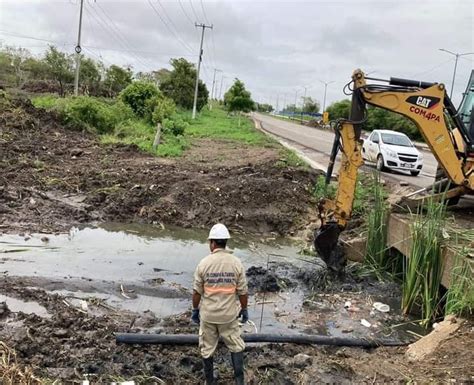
277	48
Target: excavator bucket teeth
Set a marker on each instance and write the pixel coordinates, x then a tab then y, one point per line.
326	243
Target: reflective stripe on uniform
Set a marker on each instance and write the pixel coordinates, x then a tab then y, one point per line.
220	289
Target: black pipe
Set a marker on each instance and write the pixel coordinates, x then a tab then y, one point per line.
191	339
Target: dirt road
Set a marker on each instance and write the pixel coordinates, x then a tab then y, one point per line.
316	144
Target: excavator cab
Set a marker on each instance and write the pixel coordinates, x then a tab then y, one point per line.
466	109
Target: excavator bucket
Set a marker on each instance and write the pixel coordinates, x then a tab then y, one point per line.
326	243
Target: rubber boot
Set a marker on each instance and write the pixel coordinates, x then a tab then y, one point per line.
238	364
209	370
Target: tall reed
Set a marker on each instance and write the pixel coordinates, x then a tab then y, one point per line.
376	252
424	266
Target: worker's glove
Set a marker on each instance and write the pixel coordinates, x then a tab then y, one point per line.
244	313
195	316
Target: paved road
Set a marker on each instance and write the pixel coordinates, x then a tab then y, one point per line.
316	144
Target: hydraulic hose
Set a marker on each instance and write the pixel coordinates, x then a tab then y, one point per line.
302	339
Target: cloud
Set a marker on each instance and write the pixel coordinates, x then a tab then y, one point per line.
275	47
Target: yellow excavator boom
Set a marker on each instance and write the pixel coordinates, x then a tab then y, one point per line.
430	109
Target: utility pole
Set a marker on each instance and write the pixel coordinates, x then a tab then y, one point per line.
302	104
222	83
276	108
296	98
284	103
203	26
455	65
325	90
78	50
213	84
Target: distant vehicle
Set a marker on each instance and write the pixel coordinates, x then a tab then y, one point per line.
392	150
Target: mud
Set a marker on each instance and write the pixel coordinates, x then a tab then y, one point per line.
72	343
53	177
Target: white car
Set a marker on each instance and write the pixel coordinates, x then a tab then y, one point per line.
392	150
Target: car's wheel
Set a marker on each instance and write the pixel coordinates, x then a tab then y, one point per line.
380	164
415	173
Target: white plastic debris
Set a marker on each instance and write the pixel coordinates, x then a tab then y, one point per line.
347	304
365	323
84	305
381	307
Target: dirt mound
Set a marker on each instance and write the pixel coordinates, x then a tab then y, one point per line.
54	177
41	86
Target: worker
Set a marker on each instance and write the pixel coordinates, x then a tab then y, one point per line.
219	300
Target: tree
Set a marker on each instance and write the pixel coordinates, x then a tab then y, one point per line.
116	79
60	67
264	107
89	76
238	99
179	85
139	96
310	105
339	110
377	118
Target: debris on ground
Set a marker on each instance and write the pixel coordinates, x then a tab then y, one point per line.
429	343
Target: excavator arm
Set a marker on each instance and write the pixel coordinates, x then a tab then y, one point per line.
423	103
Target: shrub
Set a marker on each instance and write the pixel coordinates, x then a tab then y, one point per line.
92	114
139	96
163	108
175	126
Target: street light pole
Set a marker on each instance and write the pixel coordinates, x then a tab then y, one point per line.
325	91
457	55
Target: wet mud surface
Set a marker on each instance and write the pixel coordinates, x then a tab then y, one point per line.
54	177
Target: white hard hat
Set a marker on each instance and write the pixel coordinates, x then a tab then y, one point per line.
219	231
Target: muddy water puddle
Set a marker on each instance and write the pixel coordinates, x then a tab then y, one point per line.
16	305
141	268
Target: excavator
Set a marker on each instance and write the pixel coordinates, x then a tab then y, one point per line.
448	132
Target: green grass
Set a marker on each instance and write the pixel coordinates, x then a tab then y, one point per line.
218	124
363	192
214	124
290	158
142	134
45	101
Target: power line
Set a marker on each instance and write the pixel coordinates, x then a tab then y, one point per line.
212	54
117	36
13	34
194	11
171	21
204	13
432	68
185	13
168	28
